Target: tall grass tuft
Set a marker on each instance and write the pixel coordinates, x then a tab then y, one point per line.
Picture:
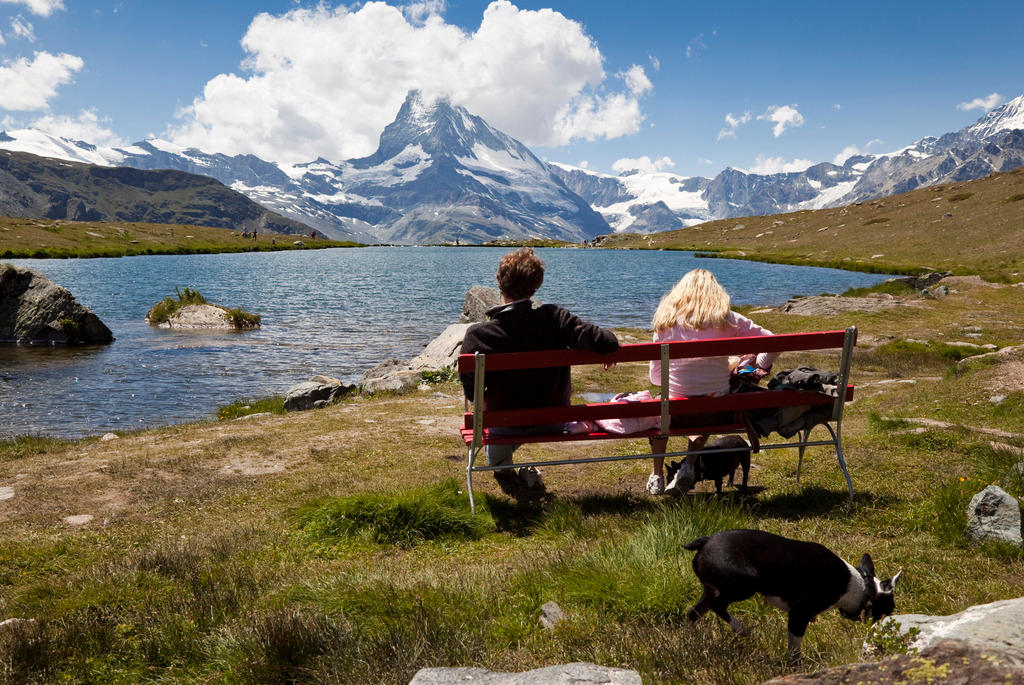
901	358
165	308
647	573
438	511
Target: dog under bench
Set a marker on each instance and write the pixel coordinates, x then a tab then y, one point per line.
701	415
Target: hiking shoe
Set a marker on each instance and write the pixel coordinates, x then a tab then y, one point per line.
682	482
530	477
656	485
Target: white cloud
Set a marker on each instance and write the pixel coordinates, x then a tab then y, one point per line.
22	29
703	160
986	103
325	81
636	80
777	165
837	107
643	164
655	62
87	126
420	10
29	85
785	116
874	141
584	164
695	45
43	8
731	124
845	154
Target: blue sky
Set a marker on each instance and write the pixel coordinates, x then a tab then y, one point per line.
595	82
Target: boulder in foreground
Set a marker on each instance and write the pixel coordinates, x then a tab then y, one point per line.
34	310
567	674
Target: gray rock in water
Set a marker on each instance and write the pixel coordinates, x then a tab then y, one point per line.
567	674
200	317
318	389
998	625
440	353
481	298
478	300
35	310
994	514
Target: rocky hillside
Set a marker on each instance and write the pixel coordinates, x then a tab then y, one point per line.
39	187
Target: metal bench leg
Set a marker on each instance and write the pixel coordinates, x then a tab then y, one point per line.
469	478
839	454
801	448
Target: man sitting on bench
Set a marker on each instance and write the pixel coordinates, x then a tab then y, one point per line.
517	326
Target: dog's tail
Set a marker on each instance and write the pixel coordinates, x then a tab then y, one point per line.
697	544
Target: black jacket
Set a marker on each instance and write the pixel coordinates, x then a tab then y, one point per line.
518	327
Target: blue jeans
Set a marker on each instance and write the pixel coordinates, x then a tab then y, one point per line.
498	455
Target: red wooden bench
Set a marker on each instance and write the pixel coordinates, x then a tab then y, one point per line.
712	415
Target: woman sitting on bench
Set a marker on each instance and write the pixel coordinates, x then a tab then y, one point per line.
697	308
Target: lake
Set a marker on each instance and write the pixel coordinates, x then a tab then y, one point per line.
337	312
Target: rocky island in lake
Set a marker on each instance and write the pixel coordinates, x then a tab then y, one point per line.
192	311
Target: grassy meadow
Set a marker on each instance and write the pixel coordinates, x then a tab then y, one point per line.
336	545
51	238
974	227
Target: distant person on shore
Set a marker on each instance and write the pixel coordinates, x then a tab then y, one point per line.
697	308
517	326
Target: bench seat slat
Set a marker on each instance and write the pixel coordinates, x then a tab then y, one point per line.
467	435
677	407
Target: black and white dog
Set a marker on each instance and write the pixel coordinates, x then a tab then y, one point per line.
801	578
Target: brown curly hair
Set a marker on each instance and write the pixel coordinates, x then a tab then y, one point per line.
520	274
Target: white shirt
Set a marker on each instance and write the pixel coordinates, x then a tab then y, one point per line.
706	375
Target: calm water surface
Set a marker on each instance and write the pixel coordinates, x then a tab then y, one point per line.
336	312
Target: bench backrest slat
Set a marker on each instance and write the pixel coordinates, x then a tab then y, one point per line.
787	342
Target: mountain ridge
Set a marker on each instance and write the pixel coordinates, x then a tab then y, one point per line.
441	174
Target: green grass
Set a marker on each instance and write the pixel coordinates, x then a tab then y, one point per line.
243	319
163	310
439	511
239	408
335	547
890	287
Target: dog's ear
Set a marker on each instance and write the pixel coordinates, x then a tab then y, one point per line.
867	566
895	579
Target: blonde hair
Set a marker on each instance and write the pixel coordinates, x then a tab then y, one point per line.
696	302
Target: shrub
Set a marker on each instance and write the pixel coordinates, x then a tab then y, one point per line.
165	308
445	375
243	319
885	638
959	197
1015	198
876	220
439	511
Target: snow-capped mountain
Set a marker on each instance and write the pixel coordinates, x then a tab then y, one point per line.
637	201
440	174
